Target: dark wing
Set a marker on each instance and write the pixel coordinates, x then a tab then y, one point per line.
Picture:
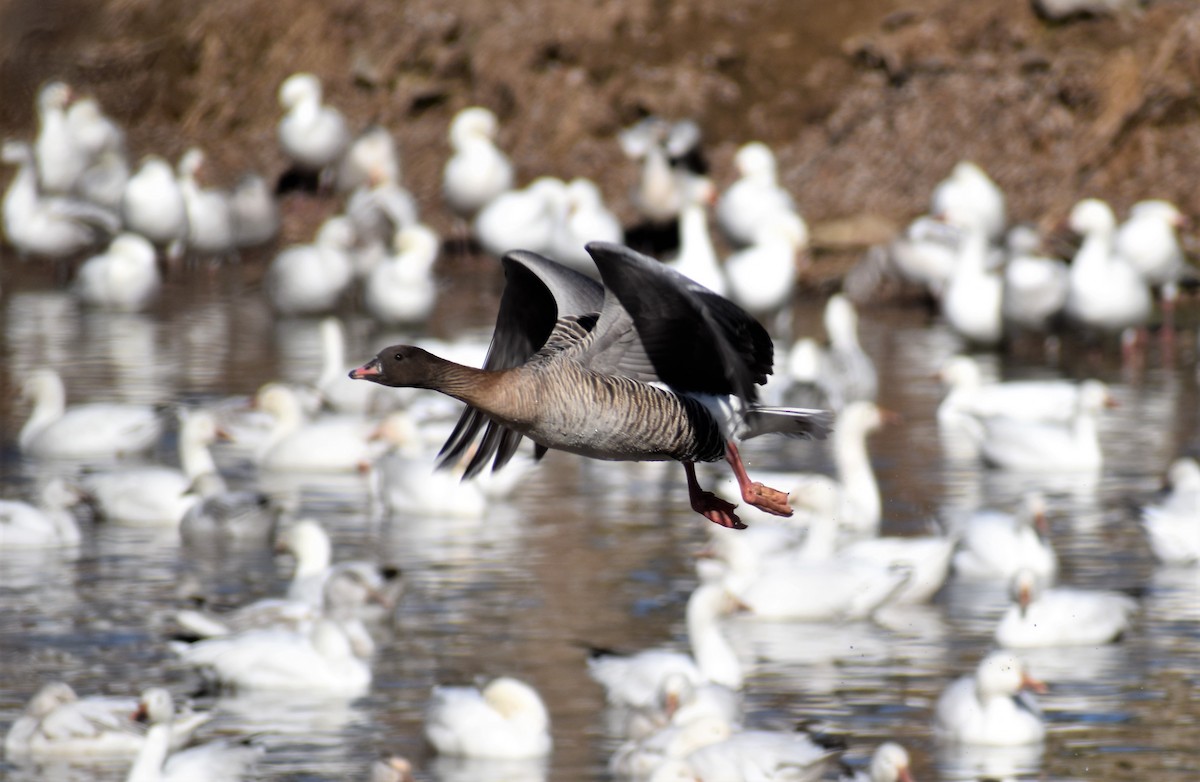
690	338
538	292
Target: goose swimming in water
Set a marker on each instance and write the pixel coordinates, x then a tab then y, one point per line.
647	366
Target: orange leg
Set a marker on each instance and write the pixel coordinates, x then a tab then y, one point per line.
709	505
762	497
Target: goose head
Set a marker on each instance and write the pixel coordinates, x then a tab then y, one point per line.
307	541
155	705
49	698
1003	675
1184	475
515	700
337	233
1024	588
756	161
890	764
405	366
299	88
961	372
53	97
472	124
392	769
1158	210
841	321
1092	216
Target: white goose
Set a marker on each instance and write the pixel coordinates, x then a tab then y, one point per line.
994	545
50	226
968	198
95	430
103	180
58	724
682	701
327	444
308	542
216	761
971	302
635	680
1073	445
925	255
760	755
61	159
209	217
372	157
1061	616
526	218
762	275
640	757
157	495
585	218
1035	286
970	398
1173	525
889	763
402	288
1148	240
153	205
255	212
478	172
988	707
1106	292
926	557
663	188
319	661
307	279
124	278
312	135
697	258
50	523
754	197
843	372
504	720
334	385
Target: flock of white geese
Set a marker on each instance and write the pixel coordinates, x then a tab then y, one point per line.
680	710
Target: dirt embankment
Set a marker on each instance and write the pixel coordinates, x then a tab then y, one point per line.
867	104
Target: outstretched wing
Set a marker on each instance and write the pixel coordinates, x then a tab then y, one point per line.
660	322
538	293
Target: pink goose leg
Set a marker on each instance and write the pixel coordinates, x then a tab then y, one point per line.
721	512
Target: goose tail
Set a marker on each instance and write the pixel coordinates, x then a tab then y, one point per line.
801	422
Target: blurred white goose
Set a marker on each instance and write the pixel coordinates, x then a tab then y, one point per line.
327	444
58	724
308	542
372	157
1106	292
97	429
378	210
334	385
761	755
640	757
1173	525
989	708
971	301
504	720
761	276
61	159
926	557
525	219
970	398
392	769
255	212
889	763
635	679
1060	616
968	198
307	279
1148	240
996	545
754	196
50	523
312	135
477	171
697	258
320	661
50	226
926	254
663	188
1035	287
153	205
107	171
402	288
216	761
682	701
124	278
788	586
1073	445
585	218
843	372
158	495
209	217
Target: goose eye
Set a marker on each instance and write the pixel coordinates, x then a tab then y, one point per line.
399	356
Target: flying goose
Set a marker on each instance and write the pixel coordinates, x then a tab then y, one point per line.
647	366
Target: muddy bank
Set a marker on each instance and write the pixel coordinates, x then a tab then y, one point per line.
868	104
